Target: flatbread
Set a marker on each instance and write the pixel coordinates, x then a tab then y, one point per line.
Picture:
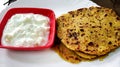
94	30
86	56
67	54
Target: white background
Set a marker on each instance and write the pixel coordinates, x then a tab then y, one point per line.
48	58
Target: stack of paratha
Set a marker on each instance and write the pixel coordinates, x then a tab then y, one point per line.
88	33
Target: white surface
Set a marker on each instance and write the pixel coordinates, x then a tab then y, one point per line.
1	4
48	58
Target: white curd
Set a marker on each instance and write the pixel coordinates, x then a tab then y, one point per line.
26	30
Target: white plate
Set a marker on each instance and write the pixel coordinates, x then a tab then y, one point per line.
48	58
1	4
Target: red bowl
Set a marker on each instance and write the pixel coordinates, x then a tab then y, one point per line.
46	12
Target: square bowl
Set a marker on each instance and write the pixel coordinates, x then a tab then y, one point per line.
42	11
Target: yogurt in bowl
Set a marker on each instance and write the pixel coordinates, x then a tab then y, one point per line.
27	29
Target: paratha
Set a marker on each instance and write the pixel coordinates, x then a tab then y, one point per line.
94	30
67	54
86	56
